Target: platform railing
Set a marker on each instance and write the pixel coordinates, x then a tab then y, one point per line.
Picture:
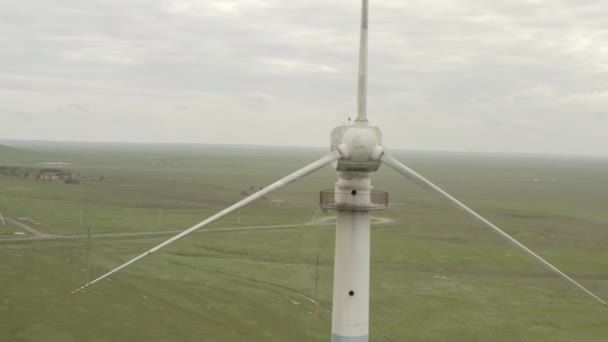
375	200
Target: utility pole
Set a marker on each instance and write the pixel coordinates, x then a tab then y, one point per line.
315	216
238	212
88	244
316	286
88	249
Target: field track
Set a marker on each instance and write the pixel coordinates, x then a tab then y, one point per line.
37	235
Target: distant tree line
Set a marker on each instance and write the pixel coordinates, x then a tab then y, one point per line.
44	174
252	190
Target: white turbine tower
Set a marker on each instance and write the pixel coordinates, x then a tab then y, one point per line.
358	151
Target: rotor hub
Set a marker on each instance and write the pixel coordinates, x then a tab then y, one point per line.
360	147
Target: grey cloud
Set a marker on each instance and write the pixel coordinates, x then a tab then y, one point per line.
440	72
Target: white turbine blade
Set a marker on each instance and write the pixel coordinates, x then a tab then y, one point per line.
272	187
362	85
418	179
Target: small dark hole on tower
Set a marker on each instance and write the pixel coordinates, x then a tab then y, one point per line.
354	192
351	293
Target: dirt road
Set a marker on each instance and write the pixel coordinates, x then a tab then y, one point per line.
32	231
323	221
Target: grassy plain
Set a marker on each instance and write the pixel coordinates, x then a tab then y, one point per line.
436	276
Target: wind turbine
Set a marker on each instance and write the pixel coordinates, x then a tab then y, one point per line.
356	151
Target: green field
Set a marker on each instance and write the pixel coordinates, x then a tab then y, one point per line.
436	276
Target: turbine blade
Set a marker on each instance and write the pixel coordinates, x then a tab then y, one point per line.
418	179
310	168
362	83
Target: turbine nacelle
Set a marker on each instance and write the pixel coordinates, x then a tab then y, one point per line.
359	145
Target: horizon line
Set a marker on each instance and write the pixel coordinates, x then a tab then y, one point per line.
8	141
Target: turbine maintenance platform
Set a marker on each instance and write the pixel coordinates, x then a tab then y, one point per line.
353	200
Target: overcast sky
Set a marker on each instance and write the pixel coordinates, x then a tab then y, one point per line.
492	76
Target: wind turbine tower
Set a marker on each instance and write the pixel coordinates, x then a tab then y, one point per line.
360	146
